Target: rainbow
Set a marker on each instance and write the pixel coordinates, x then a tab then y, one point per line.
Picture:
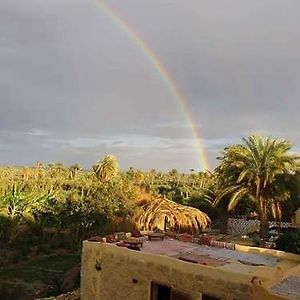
165	75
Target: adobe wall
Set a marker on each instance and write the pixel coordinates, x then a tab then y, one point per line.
127	274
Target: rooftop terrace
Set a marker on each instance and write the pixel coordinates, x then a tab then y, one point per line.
215	256
275	272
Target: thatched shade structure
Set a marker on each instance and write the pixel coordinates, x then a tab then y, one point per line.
155	212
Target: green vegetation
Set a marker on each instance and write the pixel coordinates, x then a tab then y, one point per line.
75	203
57	203
289	242
47	208
33	277
259	168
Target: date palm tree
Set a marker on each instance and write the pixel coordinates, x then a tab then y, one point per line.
74	169
107	168
254	168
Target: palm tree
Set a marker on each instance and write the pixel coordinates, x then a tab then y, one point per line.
173	176
107	168
74	169
254	168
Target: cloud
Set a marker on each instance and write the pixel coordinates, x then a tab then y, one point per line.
38	132
74	86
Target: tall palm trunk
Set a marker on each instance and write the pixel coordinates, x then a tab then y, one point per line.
278	214
263	216
263	210
224	222
223	217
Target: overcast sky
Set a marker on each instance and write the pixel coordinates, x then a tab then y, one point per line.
74	86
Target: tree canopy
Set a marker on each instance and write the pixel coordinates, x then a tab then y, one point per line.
256	168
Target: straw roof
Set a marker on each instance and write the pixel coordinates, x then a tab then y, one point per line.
152	214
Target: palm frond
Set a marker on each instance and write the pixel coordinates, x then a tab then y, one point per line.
236	197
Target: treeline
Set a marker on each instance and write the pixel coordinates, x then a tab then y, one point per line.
45	200
260	176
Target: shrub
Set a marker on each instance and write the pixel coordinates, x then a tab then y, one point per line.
289	242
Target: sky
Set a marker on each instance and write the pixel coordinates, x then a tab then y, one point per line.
74	86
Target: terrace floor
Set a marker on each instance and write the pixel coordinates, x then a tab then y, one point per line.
264	266
212	256
289	287
260	265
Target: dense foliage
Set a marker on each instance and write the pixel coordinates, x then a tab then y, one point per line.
260	169
54	201
289	242
53	197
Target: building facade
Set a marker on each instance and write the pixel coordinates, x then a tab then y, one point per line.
174	270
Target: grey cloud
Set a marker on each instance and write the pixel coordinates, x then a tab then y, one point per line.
74	86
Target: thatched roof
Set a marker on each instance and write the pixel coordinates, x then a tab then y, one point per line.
153	211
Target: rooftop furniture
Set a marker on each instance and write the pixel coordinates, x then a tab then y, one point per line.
185	237
205	239
223	245
171	234
121	236
121	244
136	233
208	241
156	235
133	243
111	238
